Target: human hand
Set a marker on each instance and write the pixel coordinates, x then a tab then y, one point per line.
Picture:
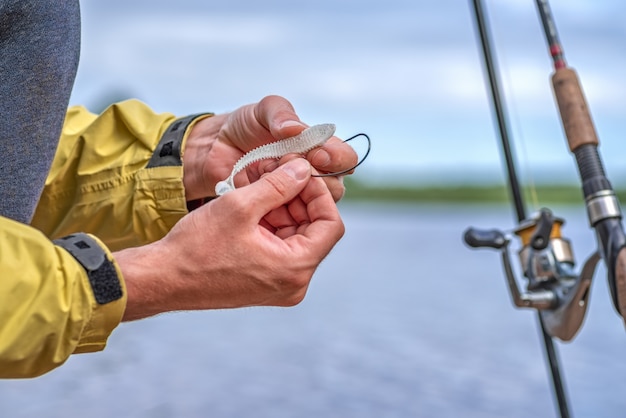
257	245
216	143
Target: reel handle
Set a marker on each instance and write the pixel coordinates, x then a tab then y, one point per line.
484	238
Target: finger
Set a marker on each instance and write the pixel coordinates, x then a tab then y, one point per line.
256	171
323	226
292	214
277	115
334	183
318	201
333	157
246	128
336	186
265	166
276	188
298	211
280	217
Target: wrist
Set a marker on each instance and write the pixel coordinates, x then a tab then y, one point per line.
144	283
199	177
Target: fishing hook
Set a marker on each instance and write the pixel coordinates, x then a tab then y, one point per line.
338	173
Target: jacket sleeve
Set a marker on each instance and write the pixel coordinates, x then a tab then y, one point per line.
101	183
49	309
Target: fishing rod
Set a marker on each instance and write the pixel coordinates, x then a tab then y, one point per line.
497	239
553	288
603	209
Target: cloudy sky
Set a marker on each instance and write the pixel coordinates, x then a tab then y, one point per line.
407	72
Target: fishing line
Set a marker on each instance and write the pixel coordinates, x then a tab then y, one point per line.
516	125
521	141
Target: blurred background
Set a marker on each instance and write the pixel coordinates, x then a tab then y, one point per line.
409	73
401	319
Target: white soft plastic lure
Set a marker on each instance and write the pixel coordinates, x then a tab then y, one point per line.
305	141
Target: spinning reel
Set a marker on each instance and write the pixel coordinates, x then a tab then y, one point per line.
553	287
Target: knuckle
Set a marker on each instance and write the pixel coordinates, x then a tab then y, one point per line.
237	208
295	299
293	289
278	184
341	229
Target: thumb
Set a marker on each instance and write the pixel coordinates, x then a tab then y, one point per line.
278	187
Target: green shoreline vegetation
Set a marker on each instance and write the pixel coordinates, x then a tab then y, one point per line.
488	194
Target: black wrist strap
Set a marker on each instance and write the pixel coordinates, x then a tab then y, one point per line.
101	272
168	152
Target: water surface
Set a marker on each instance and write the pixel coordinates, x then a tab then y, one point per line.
401	320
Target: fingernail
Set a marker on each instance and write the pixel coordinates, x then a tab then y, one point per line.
298	168
290	124
320	158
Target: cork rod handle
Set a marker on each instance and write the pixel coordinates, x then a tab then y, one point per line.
575	115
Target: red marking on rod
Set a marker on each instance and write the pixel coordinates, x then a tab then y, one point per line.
557	55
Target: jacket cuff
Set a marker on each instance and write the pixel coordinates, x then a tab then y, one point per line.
169	151
159	195
104	287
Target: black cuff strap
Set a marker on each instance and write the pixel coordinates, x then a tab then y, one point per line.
101	272
168	152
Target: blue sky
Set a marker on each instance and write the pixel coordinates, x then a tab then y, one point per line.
406	72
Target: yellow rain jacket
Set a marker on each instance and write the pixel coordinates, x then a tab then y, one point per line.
100	184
